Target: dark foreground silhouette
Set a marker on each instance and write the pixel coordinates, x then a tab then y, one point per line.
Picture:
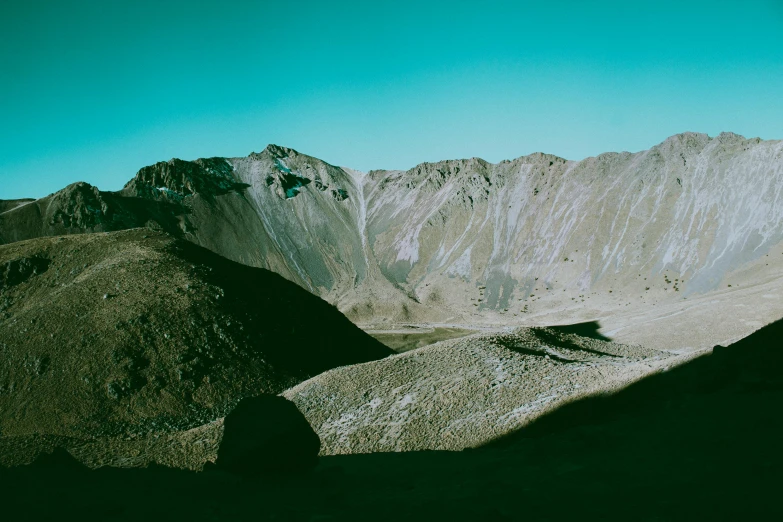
266	434
700	442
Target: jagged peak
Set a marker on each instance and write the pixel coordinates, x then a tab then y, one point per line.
689	138
278	151
218	170
683	144
465	163
687	135
80	189
700	138
733	136
446	167
295	159
459	161
535	157
75	189
207	163
77	185
469	167
180	178
79	205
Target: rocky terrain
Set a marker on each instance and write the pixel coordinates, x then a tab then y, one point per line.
533	241
9	204
463	393
116	344
577	305
700	441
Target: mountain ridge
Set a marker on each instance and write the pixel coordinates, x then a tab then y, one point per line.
464	240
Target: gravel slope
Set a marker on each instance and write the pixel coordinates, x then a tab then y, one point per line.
466	392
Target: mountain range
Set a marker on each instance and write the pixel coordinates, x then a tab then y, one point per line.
583	313
538	239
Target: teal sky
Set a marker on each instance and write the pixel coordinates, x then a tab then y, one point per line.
93	91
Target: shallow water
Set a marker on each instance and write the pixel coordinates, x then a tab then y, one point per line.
404	342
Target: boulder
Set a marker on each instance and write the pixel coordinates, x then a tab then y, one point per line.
267	434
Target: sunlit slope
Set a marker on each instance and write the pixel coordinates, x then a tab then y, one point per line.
664	223
466	392
465	241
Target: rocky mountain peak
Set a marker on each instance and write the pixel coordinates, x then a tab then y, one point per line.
176	179
534	230
79	205
686	143
535	158
278	151
435	175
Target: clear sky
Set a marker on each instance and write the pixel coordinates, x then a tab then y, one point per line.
94	90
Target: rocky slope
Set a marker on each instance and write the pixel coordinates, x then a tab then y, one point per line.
539	232
124	342
10	204
82	208
466	241
463	393
701	441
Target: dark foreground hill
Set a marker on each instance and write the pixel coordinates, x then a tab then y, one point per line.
137	337
700	442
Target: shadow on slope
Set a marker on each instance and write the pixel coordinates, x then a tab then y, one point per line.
112	343
750	365
589	329
331	338
701	441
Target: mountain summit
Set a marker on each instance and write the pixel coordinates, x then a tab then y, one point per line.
463	240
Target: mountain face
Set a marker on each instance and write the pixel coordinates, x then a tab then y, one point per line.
465	240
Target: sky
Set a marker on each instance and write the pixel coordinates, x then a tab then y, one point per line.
94	90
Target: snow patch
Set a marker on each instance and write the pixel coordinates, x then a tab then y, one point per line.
281	166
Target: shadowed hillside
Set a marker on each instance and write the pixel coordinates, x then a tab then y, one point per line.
700	442
133	336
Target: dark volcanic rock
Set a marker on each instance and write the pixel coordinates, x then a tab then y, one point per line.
267	433
175	179
667	448
79	205
16	271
